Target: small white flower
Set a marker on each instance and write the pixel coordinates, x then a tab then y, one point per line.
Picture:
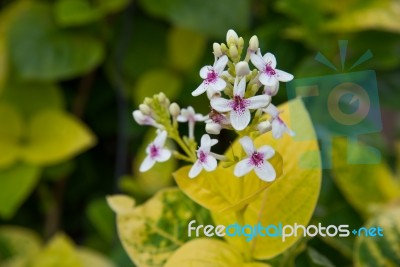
204	158
232	37
156	152
267	66
256	160
279	127
242	68
212	83
143	119
239	107
216	122
190	116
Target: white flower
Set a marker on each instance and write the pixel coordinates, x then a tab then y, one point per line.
279	127
239	107
143	119
267	66
212	83
216	122
204	158
256	160
190	116
156	152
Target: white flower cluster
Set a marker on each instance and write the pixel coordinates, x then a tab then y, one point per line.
240	99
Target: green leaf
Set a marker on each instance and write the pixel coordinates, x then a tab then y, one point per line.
60	252
10	134
16	183
158	177
17	245
378	184
205	252
317	259
30	98
292	198
3	63
102	218
80	12
206	16
374	251
54	136
57	54
90	258
185	48
150	233
155	81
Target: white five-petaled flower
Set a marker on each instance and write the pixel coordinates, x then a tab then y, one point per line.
279	127
256	160
156	152
212	83
190	116
269	75
204	158
239	107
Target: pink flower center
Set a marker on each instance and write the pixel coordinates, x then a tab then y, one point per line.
154	151
257	159
202	156
211	76
269	70
239	104
217	117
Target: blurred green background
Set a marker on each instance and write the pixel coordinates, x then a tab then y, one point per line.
72	71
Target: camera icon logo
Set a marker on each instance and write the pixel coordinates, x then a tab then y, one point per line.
342	104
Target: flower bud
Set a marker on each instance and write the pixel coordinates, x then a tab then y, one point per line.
253	43
264	127
242	68
174	109
213	128
145	109
148	101
233	52
231	37
271	90
161	97
217	50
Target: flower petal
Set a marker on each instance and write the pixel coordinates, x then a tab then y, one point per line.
268	151
195	170
266	172
147	163
283	76
243	167
271	90
258	61
272	110
200	89
247	144
220	104
160	139
268	80
210	164
205	141
218	85
278	128
240	88
240	120
182	118
164	155
204	71
220	64
259	101
269	58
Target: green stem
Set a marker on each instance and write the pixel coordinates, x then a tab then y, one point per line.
184	147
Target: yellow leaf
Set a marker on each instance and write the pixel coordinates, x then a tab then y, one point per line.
54	136
59	252
205	252
10	134
365	186
121	204
90	258
292	198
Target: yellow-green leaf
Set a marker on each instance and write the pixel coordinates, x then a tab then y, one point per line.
3	63
10	133
378	251
54	136
16	183
155	81
151	232
292	198
365	186
90	258
60	252
185	48
205	252
20	243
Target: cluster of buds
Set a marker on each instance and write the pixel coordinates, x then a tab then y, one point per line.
240	100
